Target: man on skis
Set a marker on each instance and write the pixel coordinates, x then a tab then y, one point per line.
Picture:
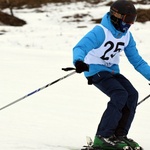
97	55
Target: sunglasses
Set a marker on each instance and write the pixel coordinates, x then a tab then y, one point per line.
129	18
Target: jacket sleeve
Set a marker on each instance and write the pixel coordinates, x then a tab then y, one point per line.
93	39
136	60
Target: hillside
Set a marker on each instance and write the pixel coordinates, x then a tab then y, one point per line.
11	19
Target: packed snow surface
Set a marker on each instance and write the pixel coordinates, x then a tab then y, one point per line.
60	116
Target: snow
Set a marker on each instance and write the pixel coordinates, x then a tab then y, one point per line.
62	115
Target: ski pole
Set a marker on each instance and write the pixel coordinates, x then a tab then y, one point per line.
143	99
65	69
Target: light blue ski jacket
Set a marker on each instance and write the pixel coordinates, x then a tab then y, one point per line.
94	39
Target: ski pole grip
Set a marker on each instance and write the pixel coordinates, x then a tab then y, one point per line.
68	69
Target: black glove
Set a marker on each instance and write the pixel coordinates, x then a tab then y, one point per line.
81	66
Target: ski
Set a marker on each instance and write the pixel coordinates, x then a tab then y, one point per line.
97	148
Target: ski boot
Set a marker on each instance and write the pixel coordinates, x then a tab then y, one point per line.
101	143
134	145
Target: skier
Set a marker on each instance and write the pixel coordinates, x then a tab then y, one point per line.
97	55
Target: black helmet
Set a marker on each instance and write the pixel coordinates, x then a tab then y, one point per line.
122	10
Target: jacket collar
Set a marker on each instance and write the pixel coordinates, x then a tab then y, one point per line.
106	22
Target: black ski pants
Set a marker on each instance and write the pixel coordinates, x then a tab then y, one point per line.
120	111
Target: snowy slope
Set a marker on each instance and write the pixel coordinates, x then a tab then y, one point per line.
62	115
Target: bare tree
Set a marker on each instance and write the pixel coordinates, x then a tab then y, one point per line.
10	7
